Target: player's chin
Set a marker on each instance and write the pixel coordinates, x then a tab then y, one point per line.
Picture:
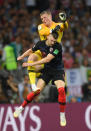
52	44
45	23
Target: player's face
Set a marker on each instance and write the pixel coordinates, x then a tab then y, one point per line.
46	19
51	40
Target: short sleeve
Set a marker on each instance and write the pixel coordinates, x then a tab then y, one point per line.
36	46
55	50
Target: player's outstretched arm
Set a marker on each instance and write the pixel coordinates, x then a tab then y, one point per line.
64	22
27	53
47	59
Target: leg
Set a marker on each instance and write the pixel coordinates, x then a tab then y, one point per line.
30	97
35	57
32	70
32	73
60	84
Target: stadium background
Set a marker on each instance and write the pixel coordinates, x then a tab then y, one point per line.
18	30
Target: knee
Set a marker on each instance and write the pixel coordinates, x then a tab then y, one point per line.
33	57
37	92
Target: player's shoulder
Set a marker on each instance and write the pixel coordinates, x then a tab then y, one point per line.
41	42
40	26
55	23
57	45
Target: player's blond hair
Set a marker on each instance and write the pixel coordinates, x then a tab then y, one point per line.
45	12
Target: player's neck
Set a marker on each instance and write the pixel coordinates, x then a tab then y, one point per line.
50	24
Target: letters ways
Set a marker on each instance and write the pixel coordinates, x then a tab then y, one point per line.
27	121
87	117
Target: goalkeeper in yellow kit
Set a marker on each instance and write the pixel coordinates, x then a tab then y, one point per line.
48	26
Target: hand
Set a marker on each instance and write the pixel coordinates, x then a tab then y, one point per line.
25	64
20	58
62	16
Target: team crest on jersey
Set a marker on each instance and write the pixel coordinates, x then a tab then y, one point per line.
39	27
43	54
51	49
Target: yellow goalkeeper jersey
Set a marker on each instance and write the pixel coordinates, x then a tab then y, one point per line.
44	31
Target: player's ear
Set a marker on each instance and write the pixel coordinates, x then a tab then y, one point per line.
47	36
51	17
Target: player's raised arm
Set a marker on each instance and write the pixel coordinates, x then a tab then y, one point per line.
64	22
27	53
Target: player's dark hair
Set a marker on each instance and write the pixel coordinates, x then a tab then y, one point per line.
55	35
45	12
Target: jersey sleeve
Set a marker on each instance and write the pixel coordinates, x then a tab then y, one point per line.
55	50
43	32
36	46
63	26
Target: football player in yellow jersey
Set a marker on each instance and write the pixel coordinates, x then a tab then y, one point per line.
48	25
44	29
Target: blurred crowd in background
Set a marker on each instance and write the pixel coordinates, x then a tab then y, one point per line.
19	20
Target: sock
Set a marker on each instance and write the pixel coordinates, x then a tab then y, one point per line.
62	114
30	97
32	76
33	86
62	99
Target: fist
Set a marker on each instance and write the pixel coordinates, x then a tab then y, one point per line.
25	64
62	16
19	58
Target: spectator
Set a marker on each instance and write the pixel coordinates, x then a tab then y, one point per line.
83	70
31	5
10	89
87	90
3	98
73	99
68	60
24	88
17	46
53	94
43	5
9	58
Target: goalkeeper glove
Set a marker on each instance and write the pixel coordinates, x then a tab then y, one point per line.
57	28
62	16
